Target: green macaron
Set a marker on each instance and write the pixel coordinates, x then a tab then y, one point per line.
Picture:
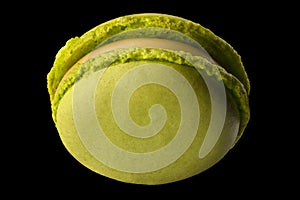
149	98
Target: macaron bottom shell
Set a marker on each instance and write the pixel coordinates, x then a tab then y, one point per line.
143	159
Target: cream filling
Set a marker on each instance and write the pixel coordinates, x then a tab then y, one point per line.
145	43
148	43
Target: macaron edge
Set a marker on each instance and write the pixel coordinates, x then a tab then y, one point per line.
234	87
77	47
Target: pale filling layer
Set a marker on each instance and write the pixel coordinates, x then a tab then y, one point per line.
144	43
149	43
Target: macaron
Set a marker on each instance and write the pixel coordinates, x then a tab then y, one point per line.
149	98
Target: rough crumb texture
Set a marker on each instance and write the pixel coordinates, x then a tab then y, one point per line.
77	47
119	56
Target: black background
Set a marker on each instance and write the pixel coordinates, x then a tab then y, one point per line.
256	166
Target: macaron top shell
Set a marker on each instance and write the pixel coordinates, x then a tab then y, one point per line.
77	47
